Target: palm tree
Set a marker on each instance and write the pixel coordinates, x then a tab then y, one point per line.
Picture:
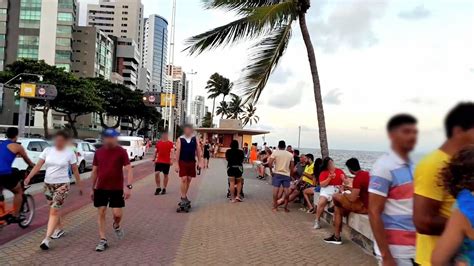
223	109
250	116
218	85
235	107
269	21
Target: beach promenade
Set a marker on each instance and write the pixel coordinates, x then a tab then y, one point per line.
215	232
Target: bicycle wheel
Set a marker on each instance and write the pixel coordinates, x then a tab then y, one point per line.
27	210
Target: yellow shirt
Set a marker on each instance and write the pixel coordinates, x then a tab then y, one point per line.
427	184
309	169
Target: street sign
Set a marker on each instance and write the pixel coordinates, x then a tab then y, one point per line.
151	99
38	91
168	99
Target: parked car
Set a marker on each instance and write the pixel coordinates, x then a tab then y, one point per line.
92	140
134	146
33	148
85	155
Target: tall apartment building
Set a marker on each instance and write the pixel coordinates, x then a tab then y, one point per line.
92	53
120	18
127	61
155	48
39	30
198	110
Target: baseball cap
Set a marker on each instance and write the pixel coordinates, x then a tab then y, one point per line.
110	132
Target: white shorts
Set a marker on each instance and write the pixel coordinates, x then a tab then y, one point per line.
328	191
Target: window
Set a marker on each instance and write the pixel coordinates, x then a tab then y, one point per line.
124	6
3	24
66	4
2	37
124	31
63	55
63	42
68	17
124	12
66	67
66	30
30	53
3	11
28	40
34	146
124	18
124	25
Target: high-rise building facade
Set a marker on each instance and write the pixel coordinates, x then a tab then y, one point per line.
120	18
155	48
127	61
198	110
38	30
92	53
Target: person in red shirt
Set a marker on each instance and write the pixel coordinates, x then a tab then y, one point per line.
108	183
163	151
356	200
329	180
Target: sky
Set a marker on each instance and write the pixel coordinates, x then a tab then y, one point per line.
376	58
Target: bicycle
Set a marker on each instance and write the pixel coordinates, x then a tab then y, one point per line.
27	212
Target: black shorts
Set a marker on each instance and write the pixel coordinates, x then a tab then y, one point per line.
207	156
9	181
162	167
110	198
235	171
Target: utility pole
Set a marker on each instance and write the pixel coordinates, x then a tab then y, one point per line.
299	136
171	64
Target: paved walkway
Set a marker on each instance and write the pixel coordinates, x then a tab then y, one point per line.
216	232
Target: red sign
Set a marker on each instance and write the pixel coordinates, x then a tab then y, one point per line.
151	98
41	91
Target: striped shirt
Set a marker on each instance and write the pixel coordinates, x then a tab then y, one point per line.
392	177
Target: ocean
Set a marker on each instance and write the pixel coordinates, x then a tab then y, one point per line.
366	158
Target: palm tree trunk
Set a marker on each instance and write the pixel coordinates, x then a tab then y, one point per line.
212	115
323	141
45	120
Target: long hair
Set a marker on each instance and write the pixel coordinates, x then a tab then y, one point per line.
325	165
458	174
234	144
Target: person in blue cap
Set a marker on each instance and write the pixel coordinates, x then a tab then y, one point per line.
108	188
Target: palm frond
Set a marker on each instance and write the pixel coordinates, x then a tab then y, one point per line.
264	57
233	5
257	21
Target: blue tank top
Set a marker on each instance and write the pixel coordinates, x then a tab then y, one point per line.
188	150
465	202
6	158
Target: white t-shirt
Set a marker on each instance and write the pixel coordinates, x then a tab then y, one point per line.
57	164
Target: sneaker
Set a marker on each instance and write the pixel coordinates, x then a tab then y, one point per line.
45	244
102	245
316	224
310	210
157	191
57	234
119	233
303	209
163	191
333	240
331	209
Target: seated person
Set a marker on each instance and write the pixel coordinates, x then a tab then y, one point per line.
330	179
295	190
308	182
355	200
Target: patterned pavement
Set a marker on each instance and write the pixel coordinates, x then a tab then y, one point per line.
215	232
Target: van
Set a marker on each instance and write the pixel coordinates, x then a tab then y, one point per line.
134	146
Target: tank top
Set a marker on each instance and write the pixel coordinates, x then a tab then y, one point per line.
188	149
465	202
6	158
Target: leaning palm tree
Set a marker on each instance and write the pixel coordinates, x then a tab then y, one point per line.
269	21
235	107
223	110
249	115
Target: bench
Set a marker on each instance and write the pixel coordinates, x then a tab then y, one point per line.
356	227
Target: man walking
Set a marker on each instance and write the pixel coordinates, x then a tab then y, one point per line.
432	203
391	195
187	149
108	184
163	151
284	163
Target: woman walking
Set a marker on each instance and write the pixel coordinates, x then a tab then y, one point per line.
57	160
235	159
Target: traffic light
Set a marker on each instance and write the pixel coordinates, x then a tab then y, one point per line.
151	99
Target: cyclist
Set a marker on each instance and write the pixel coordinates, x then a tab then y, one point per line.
9	149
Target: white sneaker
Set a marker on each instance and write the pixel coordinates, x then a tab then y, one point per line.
317	225
57	234
45	244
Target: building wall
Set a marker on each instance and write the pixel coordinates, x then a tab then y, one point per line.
49	19
155	49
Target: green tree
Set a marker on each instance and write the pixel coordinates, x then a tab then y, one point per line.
235	107
78	98
207	120
249	115
223	109
218	85
270	22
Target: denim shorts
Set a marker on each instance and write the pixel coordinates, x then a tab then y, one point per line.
281	180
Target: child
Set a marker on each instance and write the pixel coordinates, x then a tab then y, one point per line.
456	244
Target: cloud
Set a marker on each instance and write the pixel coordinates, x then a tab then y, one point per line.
419	100
419	12
288	98
348	24
366	128
333	97
281	75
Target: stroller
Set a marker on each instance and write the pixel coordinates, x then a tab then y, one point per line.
242	195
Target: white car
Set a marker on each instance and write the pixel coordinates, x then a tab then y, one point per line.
134	147
33	148
85	155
